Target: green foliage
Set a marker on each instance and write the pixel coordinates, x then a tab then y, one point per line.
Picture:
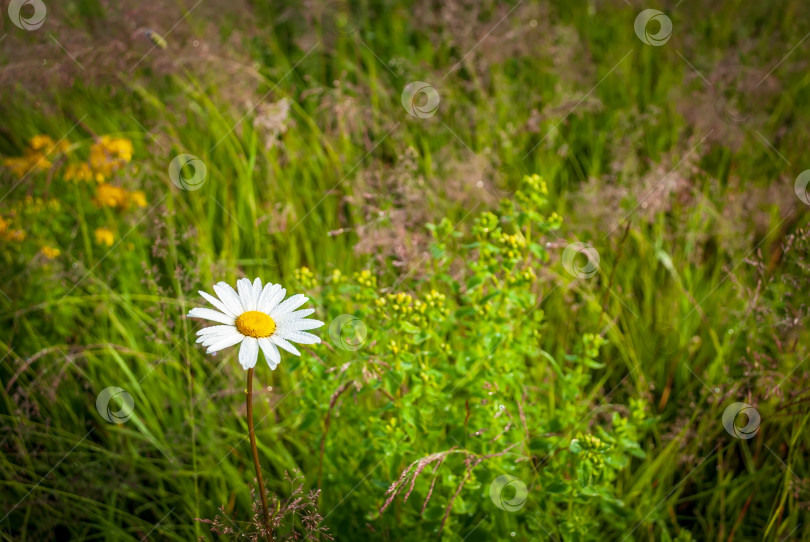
440	382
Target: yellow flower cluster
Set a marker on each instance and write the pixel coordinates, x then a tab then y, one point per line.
306	278
108	195
44	143
337	277
486	224
592	443
9	234
554	221
400	303
116	197
50	252
108	155
404	305
22	210
36	155
514	245
138	198
527	276
483	309
365	278
104	236
593	448
535	183
79	172
513	241
533	193
435	300
36	205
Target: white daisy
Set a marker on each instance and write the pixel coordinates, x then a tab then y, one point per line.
258	318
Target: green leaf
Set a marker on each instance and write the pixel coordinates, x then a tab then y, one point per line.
433	512
408	327
474	281
558	486
618	461
540	445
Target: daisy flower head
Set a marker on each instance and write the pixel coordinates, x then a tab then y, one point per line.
258	318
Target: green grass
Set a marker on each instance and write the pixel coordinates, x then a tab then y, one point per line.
700	294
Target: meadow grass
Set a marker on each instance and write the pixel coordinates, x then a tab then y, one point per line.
676	163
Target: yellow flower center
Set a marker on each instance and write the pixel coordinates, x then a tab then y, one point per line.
255	324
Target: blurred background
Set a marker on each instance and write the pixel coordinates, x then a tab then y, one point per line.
561	252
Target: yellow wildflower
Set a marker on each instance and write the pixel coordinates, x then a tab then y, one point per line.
365	278
41	142
138	198
108	195
7	234
435	300
104	236
34	157
31	161
19	166
44	143
109	154
78	172
50	252
536	183
306	278
16	235
337	276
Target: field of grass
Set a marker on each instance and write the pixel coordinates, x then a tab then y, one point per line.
561	256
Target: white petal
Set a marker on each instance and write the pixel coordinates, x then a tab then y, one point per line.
300	325
296	315
225	342
217	303
285	344
245	288
211	314
249	353
288	306
215	330
274	299
229	297
268	292
270	353
301	337
257	290
208	340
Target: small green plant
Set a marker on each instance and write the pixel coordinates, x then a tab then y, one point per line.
440	388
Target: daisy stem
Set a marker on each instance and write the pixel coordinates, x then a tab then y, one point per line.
262	493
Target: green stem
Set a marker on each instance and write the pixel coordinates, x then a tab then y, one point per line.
249	403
